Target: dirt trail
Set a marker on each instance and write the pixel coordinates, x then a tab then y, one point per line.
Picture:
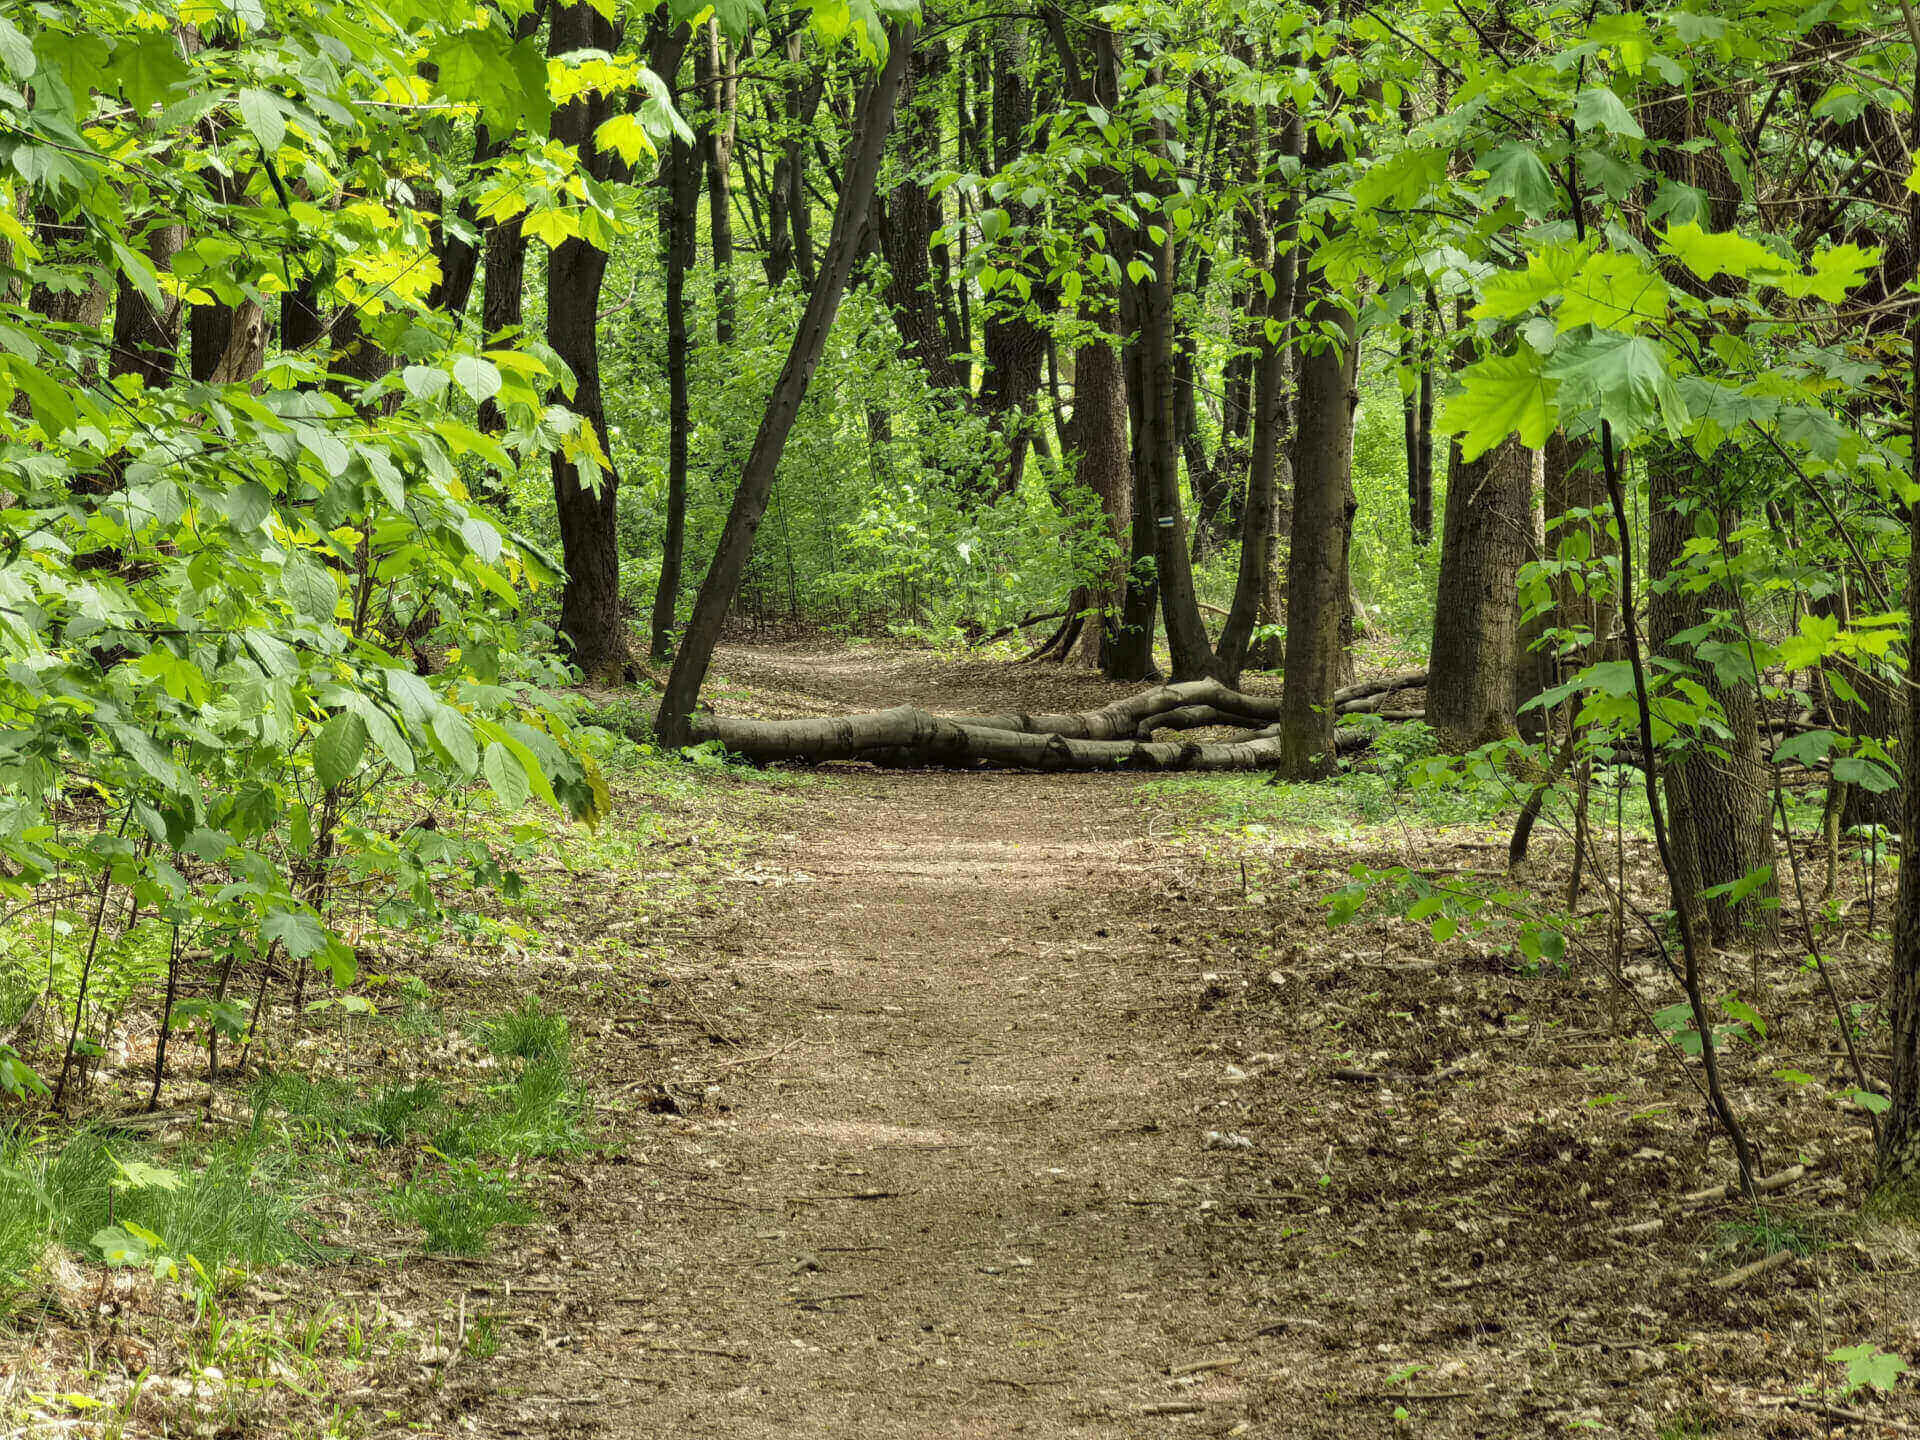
946	1187
951	1145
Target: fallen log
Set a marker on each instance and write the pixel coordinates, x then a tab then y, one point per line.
909	737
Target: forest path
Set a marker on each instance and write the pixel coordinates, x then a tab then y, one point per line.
949	1183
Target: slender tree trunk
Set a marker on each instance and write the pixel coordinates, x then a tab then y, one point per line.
1318	584
722	94
1099	435
1718	789
803	99
873	118
1471	668
683	187
1418	407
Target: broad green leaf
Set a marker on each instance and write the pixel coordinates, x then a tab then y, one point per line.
338	748
1598	108
1710	254
299	932
1516	171
266	118
505	776
1500	396
310	588
1623	379
479	378
1613	291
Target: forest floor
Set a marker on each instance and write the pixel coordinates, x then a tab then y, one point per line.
933	1104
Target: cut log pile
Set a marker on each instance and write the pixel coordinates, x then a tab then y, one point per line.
1120	736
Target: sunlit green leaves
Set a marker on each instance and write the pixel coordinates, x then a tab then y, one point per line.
1499	396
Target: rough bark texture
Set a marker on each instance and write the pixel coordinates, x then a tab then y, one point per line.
1418	417
682	184
716	75
906	222
501	298
1116	737
873	118
146	338
1317	573
590	617
1476	632
1098	434
1269	473
1718	790
1015	346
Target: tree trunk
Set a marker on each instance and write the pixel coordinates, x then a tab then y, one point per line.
907	220
1099	435
1418	408
1476	633
1272	422
1718	789
1896	1181
683	189
804	88
501	307
715	72
874	116
146	341
588	505
1318	582
1016	347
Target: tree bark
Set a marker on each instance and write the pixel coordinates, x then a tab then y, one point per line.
1099	435
1318	582
874	116
1718	788
1475	653
906	222
588	506
683	187
715	75
146	340
1269	473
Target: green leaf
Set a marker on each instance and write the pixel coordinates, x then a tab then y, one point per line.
1624	379
1809	748
298	931
149	71
1500	396
310	588
265	116
505	775
450	728
118	1248
338	747
1516	172
1598	108
1710	254
16	50
479	378
1402	177
1613	291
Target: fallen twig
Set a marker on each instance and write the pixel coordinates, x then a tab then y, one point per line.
1759	1267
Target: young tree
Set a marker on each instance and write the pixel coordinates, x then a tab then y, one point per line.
873	119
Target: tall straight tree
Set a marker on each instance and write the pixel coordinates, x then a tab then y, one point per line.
873	118
1476	635
677	235
715	69
588	507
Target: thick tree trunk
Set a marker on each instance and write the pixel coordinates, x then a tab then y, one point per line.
1476	632
1269	474
146	339
873	118
1718	790
1896	1182
683	187
1116	737
588	505
907	220
1015	345
501	298
1099	436
1318	582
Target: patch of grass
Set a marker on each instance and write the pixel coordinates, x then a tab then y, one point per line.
460	1207
234	1208
26	1214
1768	1231
528	1033
397	1112
532	1116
